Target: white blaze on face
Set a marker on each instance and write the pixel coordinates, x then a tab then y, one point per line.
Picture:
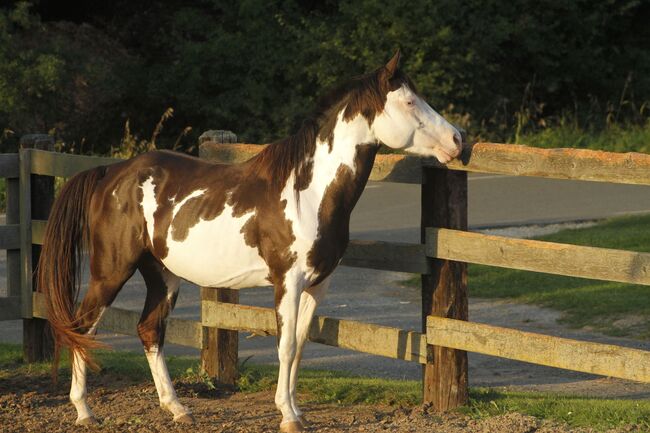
409	123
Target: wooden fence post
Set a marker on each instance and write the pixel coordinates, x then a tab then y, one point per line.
38	197
220	346
444	290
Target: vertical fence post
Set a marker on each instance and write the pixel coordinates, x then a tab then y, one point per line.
37	196
13	217
444	291
220	346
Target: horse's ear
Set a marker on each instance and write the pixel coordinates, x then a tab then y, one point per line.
392	64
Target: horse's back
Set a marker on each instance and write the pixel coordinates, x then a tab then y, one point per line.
180	209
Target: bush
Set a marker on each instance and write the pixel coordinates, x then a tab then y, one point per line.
501	68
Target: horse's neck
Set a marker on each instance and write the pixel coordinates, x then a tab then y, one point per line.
340	171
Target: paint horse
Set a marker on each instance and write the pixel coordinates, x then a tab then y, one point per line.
282	219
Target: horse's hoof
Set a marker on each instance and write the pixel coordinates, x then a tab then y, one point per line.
186	418
87	421
303	421
291	427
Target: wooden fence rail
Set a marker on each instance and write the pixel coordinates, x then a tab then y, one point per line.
594	358
548	257
440	259
347	334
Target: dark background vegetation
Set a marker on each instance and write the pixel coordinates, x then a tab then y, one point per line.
80	70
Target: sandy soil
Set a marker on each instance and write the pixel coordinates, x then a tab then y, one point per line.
33	404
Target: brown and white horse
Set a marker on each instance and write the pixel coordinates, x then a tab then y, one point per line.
281	218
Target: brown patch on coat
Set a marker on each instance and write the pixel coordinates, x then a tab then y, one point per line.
334	212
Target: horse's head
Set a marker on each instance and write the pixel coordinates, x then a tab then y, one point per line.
407	122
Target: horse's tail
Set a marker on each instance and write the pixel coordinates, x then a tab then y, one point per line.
58	273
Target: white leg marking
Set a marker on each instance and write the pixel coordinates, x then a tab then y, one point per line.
78	386
288	313
309	300
161	379
78	389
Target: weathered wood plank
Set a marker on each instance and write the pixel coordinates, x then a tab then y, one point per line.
587	357
10	237
13	218
563	163
510	159
179	331
64	164
539	256
10	308
38	231
9	165
38	344
388	256
362	337
26	232
220	349
444	290
388	168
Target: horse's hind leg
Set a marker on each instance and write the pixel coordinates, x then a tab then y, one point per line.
162	290
101	293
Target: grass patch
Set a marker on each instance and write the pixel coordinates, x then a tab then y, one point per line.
598	304
601	414
614	138
322	386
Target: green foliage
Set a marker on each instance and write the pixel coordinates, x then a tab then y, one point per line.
498	68
616	138
67	80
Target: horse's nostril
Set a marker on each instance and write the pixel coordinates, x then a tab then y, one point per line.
458	140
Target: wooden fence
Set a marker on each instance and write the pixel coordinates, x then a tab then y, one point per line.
440	258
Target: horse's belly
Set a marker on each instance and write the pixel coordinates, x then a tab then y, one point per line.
215	254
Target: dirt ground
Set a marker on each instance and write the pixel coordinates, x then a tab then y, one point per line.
33	404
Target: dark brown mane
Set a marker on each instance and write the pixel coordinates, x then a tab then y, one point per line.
365	95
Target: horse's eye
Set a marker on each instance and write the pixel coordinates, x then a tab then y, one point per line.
410	103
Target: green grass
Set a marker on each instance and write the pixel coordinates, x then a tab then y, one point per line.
601	414
598	304
616	138
321	386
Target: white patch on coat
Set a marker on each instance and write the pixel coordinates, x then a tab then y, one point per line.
179	205
214	253
303	212
149	204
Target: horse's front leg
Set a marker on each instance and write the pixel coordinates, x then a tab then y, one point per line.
309	300
287	301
